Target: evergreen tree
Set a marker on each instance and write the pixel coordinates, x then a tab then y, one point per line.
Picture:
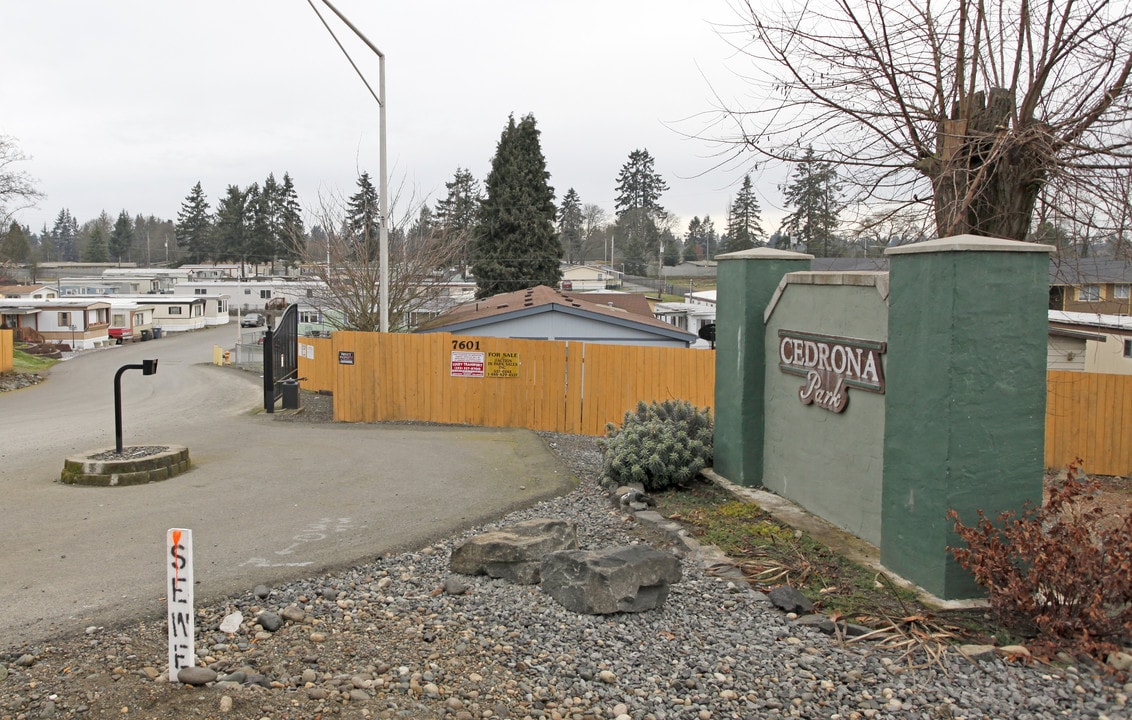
95	250
65	235
673	250
694	240
815	194
194	227
260	237
363	215
290	222
638	208
515	244
744	229
15	246
231	232
570	229
456	213
121	237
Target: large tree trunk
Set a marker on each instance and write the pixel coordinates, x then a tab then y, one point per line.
987	174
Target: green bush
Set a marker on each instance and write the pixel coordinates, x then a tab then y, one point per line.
661	445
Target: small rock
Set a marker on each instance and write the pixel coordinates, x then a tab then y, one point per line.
788	599
25	660
606	676
317	637
231	623
261	591
294	613
269	621
977	652
1120	661
1016	651
226	704
151	672
196	675
454	585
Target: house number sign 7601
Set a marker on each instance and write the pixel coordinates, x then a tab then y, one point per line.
465	344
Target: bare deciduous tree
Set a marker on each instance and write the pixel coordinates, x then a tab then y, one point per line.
17	189
973	107
347	268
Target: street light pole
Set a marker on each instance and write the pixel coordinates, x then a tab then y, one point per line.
383	181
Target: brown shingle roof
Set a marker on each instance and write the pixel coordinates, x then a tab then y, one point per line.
609	304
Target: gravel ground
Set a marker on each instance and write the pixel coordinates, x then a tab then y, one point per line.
396	639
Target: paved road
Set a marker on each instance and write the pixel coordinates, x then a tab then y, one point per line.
267	501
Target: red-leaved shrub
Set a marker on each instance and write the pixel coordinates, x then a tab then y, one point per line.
1054	572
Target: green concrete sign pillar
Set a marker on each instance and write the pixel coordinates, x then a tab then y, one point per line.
747	281
965	411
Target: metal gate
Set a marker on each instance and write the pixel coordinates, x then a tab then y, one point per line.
281	360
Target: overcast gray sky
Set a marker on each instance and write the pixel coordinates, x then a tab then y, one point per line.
126	104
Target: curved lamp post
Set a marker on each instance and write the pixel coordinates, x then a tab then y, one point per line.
148	367
383	181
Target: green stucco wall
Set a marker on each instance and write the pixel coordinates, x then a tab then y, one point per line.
830	463
966	391
746	282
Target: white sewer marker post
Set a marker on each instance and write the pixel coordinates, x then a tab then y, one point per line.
179	586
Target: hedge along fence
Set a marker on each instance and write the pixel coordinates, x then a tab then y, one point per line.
7	351
1088	416
570	387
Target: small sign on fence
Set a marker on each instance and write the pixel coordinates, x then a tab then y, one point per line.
345	357
503	364
179	603
467	364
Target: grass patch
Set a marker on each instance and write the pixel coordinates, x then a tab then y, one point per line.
30	363
772	554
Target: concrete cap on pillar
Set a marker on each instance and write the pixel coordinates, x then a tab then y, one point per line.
969	243
764	253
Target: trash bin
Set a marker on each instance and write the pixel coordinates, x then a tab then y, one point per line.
146	335
157	333
290	394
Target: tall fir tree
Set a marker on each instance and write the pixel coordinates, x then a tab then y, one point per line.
292	236
194	230
232	230
121	237
15	247
744	220
815	194
639	211
456	213
95	250
570	227
65	235
363	215
516	245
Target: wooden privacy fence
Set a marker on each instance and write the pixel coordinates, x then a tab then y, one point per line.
7	348
569	387
579	387
1089	416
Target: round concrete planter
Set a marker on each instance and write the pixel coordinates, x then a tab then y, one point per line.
83	470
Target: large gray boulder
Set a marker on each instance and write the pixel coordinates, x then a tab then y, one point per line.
633	578
514	553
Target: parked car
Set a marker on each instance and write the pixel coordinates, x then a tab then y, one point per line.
253	320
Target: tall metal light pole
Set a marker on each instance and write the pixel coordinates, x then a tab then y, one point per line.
383	181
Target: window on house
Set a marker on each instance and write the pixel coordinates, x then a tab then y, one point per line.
1120	292
265	294
1128	348
174	309
1089	293
247	291
310	293
200	291
64	319
309	316
138	318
